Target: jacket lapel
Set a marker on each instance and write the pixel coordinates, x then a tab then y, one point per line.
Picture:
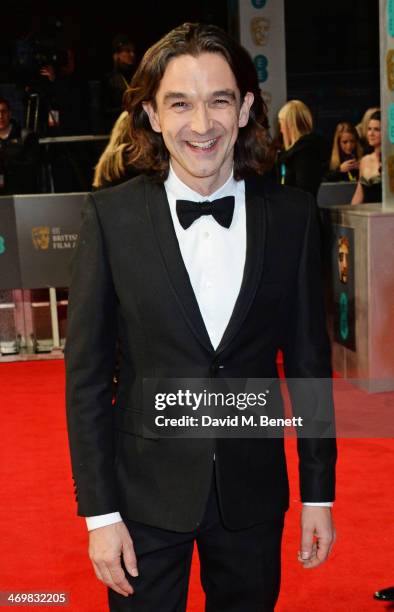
159	213
255	243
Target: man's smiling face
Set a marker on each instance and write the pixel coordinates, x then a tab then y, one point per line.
199	112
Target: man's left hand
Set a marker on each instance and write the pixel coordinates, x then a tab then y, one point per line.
317	535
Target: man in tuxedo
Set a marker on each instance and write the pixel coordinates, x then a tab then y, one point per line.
197	268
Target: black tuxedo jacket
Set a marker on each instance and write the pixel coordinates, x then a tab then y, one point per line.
130	289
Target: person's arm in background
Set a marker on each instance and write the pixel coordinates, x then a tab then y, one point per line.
347	171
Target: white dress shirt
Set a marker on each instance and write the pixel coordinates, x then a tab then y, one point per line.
214	258
214	255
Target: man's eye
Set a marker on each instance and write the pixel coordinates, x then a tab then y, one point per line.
221	102
179	105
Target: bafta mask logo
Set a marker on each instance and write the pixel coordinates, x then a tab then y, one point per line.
343	259
390	69
259	28
40	237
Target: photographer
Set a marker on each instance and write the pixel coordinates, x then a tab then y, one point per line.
67	95
19	156
67	116
118	80
44	68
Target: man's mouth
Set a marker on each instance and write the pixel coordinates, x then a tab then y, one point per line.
206	145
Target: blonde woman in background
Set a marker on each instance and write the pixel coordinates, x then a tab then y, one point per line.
345	155
362	128
304	159
112	167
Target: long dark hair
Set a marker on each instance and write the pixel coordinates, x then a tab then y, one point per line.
147	150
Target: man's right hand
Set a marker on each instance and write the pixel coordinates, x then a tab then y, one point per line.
106	547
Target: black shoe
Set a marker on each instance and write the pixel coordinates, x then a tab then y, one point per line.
385	594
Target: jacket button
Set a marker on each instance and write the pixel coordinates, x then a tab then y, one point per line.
214	368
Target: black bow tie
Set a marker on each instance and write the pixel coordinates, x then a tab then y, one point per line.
222	211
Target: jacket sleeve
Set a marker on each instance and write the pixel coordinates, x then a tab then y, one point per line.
90	360
307	364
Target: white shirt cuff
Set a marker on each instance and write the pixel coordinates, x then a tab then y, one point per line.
102	520
321	504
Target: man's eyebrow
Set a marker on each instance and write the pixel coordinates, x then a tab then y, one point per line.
228	93
174	95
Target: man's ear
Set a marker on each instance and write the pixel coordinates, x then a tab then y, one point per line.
245	108
153	116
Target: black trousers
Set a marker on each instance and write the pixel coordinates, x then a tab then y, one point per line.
240	570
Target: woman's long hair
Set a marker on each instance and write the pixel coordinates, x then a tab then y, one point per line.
146	150
297	121
336	157
111	166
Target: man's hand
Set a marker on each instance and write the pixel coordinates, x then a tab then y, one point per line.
317	535
106	546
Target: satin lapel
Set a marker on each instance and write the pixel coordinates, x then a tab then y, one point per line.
159	213
255	243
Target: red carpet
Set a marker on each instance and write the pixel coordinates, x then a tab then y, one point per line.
43	544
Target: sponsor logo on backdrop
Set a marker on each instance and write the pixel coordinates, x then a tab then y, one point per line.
390	117
261	64
259	3
259	28
344	316
47	238
390	17
2	245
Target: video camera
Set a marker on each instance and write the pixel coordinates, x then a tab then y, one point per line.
45	52
31	54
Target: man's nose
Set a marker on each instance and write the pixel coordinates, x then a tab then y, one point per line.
201	121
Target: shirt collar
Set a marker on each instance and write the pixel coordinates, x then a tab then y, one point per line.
180	191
